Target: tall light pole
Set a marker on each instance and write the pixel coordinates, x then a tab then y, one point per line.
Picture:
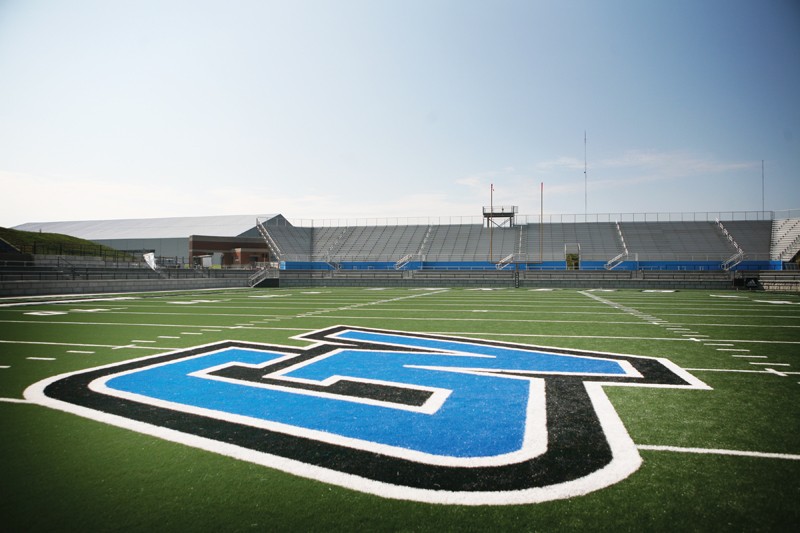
585	181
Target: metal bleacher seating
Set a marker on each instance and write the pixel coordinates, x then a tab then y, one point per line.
672	241
753	236
597	241
367	243
470	242
295	243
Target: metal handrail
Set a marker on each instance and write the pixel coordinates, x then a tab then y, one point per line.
701	216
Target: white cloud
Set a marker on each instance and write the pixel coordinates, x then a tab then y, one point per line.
470	181
632	176
36	198
565	163
634	167
671	164
48	198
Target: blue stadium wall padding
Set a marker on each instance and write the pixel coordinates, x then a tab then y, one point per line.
759	265
597	265
679	265
304	265
366	265
546	265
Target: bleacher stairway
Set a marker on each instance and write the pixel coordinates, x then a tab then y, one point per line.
785	241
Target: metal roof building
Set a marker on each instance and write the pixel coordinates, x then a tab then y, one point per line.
167	237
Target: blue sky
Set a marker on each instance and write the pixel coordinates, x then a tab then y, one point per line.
345	109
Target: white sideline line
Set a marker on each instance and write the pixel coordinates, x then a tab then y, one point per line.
757	341
62	301
751	356
116	324
723	370
13	400
43	343
713	451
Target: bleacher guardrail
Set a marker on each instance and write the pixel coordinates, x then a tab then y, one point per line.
698	216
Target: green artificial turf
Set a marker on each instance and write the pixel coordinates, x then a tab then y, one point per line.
62	472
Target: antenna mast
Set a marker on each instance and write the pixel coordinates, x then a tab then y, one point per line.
585	180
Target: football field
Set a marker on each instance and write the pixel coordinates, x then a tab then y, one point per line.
437	409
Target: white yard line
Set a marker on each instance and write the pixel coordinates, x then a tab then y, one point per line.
112	324
732	371
370	303
715	451
756	341
481	319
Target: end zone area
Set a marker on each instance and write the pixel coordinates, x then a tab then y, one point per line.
719	448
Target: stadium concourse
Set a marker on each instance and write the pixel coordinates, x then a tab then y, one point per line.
643	250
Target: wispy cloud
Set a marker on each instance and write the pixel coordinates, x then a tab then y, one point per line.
565	163
671	164
39	198
665	163
68	198
636	167
633	174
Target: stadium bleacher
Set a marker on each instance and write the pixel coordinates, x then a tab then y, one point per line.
684	245
604	252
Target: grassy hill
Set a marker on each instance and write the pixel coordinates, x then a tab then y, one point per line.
53	244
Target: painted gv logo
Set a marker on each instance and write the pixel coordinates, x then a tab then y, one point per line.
402	415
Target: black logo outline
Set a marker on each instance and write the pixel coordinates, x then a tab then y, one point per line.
588	447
